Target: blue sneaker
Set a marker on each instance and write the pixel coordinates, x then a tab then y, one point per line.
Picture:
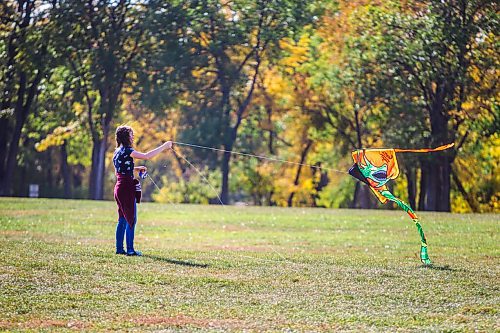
134	253
120	252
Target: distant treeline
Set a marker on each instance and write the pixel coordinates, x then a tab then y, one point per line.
305	81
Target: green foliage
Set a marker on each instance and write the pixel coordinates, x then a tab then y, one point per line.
426	58
164	66
423	55
336	195
229	43
480	178
60	119
266	77
252	181
192	188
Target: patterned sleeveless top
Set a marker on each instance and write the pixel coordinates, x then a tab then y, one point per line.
123	162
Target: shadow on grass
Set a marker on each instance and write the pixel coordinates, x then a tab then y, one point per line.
440	268
175	262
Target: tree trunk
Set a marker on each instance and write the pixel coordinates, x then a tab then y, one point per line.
49	175
109	100
6	184
423	185
228	139
6	103
22	109
101	165
231	133
303	156
65	171
96	183
224	194
353	203
320	184
270	143
4	134
437	196
411	186
93	168
436	178
362	197
443	195
226	159
432	188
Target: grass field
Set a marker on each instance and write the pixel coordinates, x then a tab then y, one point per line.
212	268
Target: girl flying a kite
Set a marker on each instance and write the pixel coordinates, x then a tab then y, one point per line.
127	189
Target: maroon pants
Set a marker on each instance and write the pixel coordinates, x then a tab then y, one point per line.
125	198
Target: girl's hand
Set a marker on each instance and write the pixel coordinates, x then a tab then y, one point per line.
141	168
168	144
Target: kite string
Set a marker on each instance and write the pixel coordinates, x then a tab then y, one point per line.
154	182
220	200
159	190
200	173
259	157
248	155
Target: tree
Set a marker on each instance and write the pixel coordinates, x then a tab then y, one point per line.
231	41
104	40
58	124
428	47
28	50
336	91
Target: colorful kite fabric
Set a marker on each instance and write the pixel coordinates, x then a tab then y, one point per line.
375	167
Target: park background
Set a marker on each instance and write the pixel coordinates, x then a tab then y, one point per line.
303	81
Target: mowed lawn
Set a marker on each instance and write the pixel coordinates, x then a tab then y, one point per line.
214	268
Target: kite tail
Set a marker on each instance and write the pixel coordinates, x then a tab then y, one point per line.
424	150
424	256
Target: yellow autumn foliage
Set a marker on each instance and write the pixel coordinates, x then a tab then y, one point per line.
57	137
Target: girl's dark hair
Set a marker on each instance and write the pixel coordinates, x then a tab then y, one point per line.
123	136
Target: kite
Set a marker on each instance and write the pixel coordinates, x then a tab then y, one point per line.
375	167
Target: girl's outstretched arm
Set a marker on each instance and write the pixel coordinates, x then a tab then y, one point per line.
152	153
